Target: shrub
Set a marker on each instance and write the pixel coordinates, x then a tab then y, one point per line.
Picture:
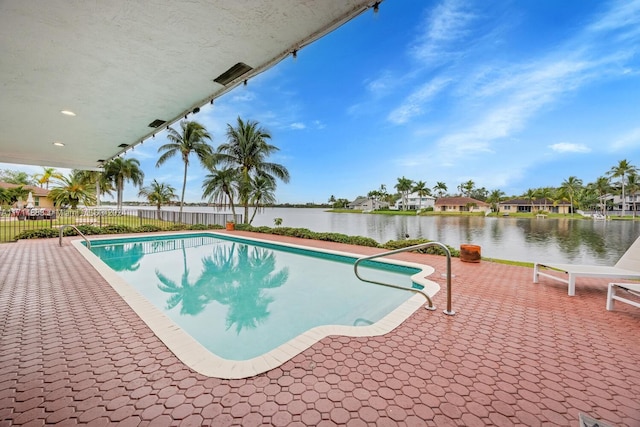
433	250
115	229
42	233
148	228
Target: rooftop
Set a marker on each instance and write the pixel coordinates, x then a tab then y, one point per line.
515	353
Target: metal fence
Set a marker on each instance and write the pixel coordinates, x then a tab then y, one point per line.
15	221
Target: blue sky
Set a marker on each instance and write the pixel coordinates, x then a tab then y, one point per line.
511	94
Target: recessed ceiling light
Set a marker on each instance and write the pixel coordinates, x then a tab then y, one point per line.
58	144
68	113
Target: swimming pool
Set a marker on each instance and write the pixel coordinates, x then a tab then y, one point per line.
260	303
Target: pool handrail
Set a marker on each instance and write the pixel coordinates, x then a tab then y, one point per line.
449	311
77	231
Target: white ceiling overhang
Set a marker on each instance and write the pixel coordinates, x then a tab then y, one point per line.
120	65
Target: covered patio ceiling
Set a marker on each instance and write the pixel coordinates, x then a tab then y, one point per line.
129	69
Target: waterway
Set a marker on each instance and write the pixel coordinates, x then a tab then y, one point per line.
563	240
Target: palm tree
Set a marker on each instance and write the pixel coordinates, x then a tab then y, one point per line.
495	197
467	187
246	150
570	187
531	195
220	187
403	186
191	140
545	193
633	186
158	194
72	191
440	188
262	193
621	170
120	170
102	183
46	176
602	186
420	188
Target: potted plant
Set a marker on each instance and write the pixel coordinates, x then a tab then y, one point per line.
231	225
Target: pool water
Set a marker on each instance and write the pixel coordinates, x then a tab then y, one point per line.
241	298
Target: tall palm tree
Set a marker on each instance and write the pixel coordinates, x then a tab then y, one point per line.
440	188
158	194
633	186
220	187
622	170
403	186
531	195
72	191
602	186
246	150
570	187
120	170
46	176
421	189
192	140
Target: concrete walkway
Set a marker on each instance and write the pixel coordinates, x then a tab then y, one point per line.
516	353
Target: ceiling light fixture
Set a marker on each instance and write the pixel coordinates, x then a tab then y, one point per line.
157	123
68	113
294	54
232	73
245	82
376	7
58	144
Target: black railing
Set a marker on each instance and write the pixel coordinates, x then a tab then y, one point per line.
15	221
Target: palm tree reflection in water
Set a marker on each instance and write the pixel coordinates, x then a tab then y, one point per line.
233	275
121	257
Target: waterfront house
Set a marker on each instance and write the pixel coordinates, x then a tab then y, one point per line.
415	202
460	204
528	206
367	204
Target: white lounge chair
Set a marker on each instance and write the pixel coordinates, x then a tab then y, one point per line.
627	267
612	295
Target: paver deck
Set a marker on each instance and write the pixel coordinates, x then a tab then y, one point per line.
516	353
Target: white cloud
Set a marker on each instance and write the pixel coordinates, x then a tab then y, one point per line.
414	104
569	147
297	126
447	24
627	141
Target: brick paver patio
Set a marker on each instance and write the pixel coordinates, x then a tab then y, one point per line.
516	353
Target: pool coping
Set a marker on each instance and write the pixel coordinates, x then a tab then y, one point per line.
203	361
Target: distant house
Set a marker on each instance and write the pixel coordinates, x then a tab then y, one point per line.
367	204
415	202
535	205
631	202
40	195
460	204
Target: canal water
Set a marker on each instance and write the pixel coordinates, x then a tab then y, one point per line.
518	239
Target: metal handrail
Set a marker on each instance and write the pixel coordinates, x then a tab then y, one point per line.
77	231
449	311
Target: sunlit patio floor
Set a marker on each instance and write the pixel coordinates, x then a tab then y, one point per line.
515	353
